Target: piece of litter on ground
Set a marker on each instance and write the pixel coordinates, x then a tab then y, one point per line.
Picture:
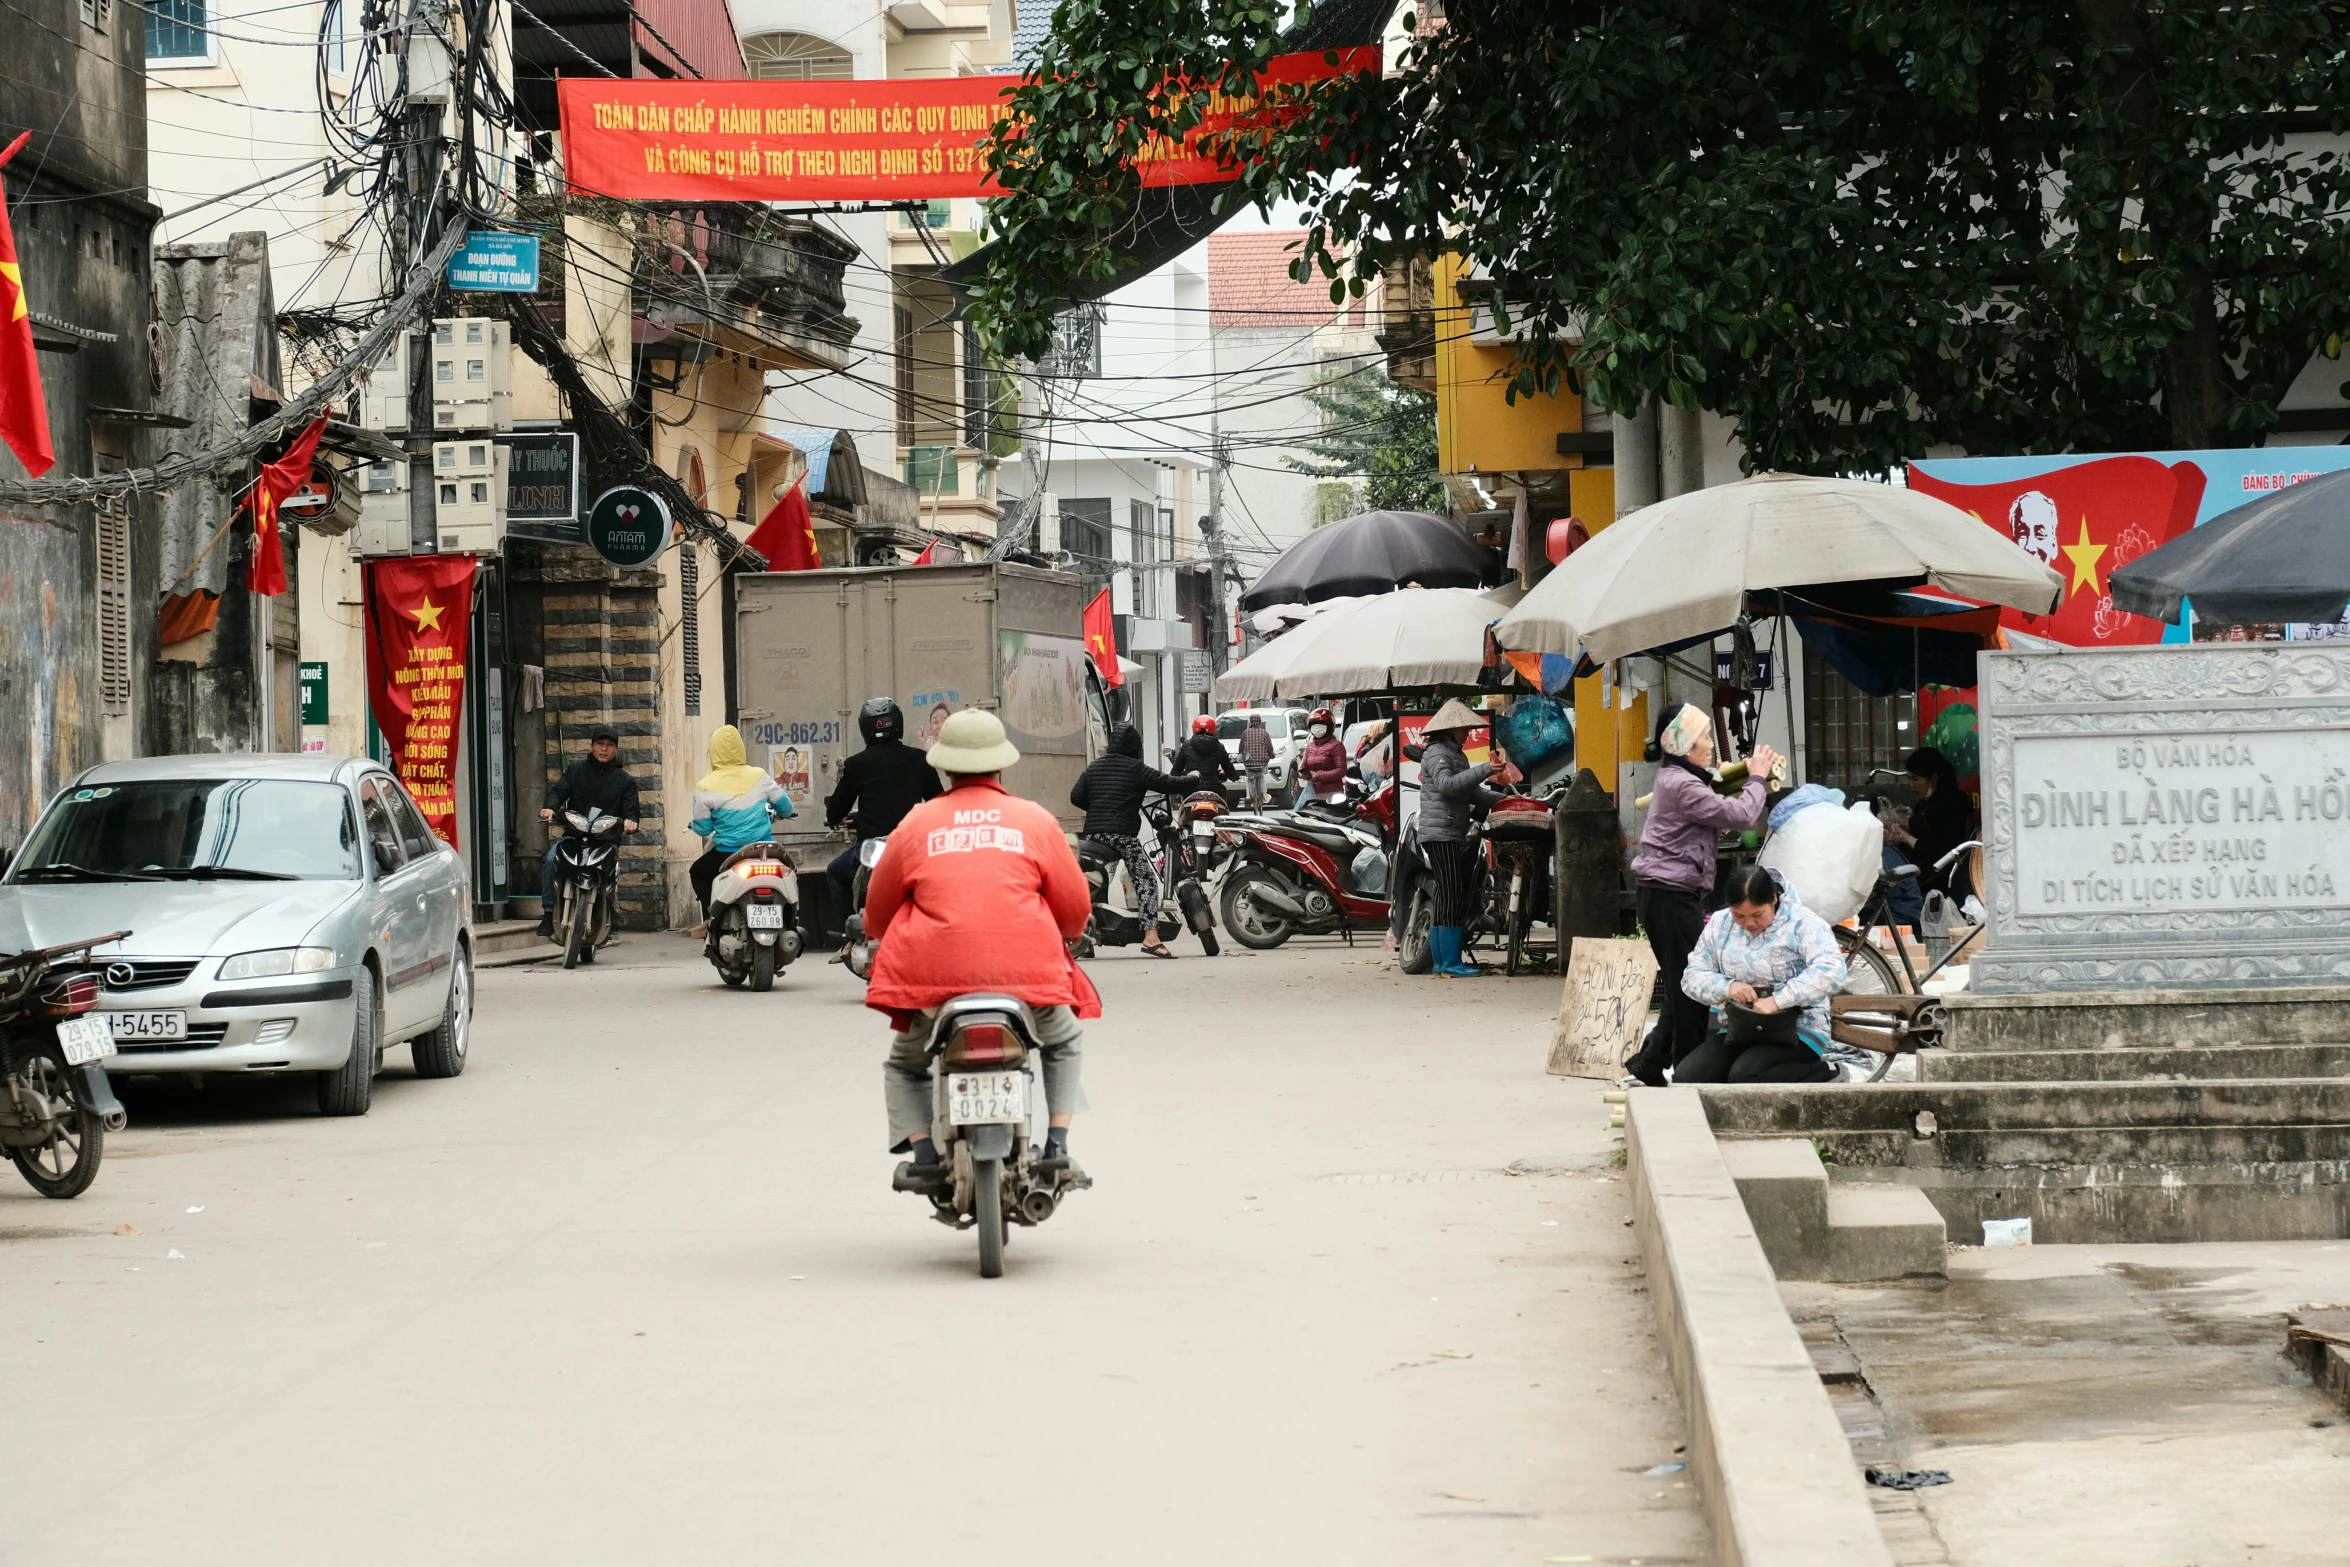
1459	1496
1664	1469
198	1208
1907	1479
2007	1232
1566	1558
798	1278
1550	1224
126	1229
173	1253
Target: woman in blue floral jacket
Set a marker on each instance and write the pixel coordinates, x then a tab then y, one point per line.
1768	952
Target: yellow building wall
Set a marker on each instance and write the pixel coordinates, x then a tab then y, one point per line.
1478	428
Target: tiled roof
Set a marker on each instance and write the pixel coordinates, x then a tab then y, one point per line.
1249	283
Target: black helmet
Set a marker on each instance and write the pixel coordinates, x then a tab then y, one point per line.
881	719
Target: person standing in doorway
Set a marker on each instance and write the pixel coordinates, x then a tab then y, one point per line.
1674	871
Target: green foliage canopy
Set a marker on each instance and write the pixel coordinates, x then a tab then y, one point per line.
1861	228
1379	433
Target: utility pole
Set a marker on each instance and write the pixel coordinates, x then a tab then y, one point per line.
1214	533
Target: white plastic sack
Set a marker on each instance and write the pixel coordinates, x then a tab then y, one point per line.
1829	856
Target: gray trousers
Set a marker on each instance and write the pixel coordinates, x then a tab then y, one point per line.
905	1076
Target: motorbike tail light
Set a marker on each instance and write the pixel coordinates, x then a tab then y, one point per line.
750	869
983	1042
70	994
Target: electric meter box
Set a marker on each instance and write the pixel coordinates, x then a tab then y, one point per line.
384	527
469	496
472	374
383	396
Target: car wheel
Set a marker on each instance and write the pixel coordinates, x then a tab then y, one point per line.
349	1088
441	1053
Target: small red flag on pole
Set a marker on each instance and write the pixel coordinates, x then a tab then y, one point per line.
935	554
1101	640
787	534
24	415
267	574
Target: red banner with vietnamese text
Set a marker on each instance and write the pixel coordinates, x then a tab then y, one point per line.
418	611
850	141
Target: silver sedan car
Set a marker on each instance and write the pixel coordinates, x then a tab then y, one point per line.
286	914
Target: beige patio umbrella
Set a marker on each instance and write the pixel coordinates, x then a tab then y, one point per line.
1681	568
1253	678
1397	641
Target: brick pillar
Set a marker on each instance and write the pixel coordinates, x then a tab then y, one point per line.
603	634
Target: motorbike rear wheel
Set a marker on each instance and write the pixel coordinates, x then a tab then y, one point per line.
1416	952
987	1206
575	930
1868	972
762	966
69	1163
1248	922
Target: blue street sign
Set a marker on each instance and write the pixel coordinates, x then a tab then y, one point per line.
496	264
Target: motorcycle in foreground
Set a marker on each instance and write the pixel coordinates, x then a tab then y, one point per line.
587	882
993	1170
856	950
1317	869
56	1105
754	916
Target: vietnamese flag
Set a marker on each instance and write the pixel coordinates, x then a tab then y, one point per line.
267	574
1101	640
787	534
934	554
24	416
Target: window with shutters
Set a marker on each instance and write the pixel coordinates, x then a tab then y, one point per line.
114	606
689	624
95	13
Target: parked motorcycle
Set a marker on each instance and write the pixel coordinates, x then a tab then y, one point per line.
856	951
986	1107
1320	868
587	881
1189	853
754	916
56	1105
1525	854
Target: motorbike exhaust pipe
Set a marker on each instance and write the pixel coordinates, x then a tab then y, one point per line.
1275	899
1038	1204
788	948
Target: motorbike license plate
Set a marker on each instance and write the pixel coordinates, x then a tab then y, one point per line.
763	916
986	1098
1202	831
148	1025
84	1039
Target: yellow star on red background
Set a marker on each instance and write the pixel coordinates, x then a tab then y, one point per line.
428	615
2084	556
15	275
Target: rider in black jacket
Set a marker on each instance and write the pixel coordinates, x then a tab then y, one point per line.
598	781
878	786
1111	792
1204	756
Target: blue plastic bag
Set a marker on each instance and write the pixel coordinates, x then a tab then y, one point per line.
1534	730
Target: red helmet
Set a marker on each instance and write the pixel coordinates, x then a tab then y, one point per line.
1203	725
1321	715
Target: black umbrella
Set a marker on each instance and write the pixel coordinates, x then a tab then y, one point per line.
1376	552
2283	557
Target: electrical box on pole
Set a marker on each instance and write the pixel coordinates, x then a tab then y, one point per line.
383	527
469	496
383	394
472	374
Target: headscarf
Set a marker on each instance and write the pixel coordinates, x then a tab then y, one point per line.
1688	726
730	775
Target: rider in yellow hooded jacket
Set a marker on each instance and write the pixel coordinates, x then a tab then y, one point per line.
734	805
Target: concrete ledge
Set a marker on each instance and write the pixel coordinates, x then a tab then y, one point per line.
1785	1188
1773	1466
2115	1020
2135	1063
1884	1232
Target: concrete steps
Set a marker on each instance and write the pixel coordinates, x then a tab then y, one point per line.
504	943
2173	1063
1812	1229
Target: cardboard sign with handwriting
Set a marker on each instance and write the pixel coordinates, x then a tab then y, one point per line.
1604	1009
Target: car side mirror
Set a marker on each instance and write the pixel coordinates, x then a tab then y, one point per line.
387	856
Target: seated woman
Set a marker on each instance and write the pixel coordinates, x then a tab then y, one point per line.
1767	952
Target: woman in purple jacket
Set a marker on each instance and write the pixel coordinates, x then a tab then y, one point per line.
1674	871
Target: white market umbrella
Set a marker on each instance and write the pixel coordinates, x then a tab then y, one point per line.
1252	679
1397	641
1681	569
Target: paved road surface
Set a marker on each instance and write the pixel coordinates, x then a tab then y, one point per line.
634	1289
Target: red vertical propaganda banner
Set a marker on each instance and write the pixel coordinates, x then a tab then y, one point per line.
418	612
24	413
1101	640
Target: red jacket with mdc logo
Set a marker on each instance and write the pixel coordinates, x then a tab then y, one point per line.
977	890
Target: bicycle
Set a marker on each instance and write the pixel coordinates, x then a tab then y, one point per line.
1889	1015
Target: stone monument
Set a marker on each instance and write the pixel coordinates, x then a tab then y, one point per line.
2169	818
